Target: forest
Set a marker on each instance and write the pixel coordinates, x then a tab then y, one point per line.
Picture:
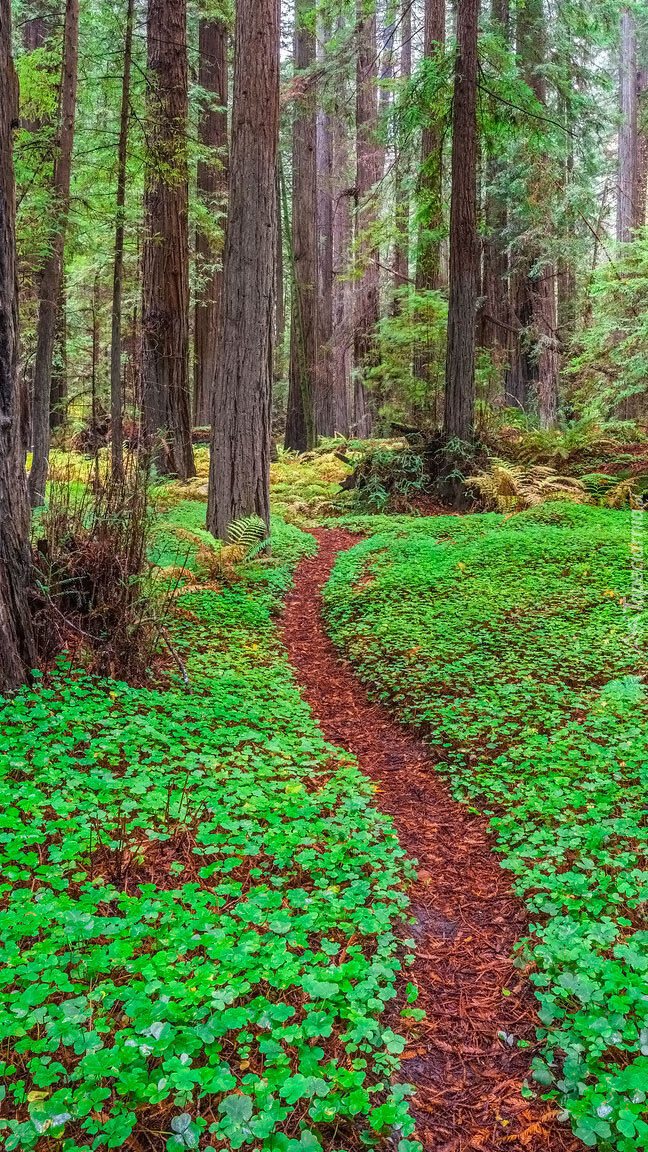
323	493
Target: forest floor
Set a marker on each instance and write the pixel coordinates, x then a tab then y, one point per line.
465	1060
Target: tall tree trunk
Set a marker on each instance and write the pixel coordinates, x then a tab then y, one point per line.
537	347
17	650
430	191
212	191
116	391
280	303
301	430
368	173
59	388
642	147
495	318
325	398
402	206
165	299
342	192
239	481
459	417
51	277
627	186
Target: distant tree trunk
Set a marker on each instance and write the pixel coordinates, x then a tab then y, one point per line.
627	186
368	173
212	191
59	390
17	649
301	430
51	277
116	391
495	317
166	407
325	399
239	481
280	303
464	249
342	192
537	345
642	146
430	190
402	206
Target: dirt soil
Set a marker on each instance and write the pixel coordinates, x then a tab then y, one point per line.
466	1064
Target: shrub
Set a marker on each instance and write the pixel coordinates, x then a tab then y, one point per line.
90	552
508	487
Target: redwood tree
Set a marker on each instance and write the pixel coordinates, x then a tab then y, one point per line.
239	480
401	251
212	189
431	173
368	173
17	654
300	422
116	390
464	248
166	407
495	318
534	357
52	275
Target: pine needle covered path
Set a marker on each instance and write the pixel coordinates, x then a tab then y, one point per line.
465	1061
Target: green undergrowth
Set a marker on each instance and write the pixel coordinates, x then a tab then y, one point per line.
506	642
203	919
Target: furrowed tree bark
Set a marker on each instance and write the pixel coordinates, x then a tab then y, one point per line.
325	399
301	430
537	345
212	192
239	480
51	277
402	205
368	173
627	184
166	407
342	192
495	319
17	648
116	390
459	416
430	190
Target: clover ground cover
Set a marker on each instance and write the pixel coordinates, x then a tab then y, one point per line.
202	911
504	640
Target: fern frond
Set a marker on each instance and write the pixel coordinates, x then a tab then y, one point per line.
247	532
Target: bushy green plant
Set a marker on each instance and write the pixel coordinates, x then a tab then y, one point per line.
390	479
410	362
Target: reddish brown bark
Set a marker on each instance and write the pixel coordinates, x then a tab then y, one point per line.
51	277
430	191
535	357
239	482
116	390
301	431
464	249
212	191
401	250
17	650
166	408
325	389
368	173
495	315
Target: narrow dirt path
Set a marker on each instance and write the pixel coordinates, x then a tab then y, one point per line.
468	1077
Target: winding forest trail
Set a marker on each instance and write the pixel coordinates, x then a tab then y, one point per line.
468	1078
